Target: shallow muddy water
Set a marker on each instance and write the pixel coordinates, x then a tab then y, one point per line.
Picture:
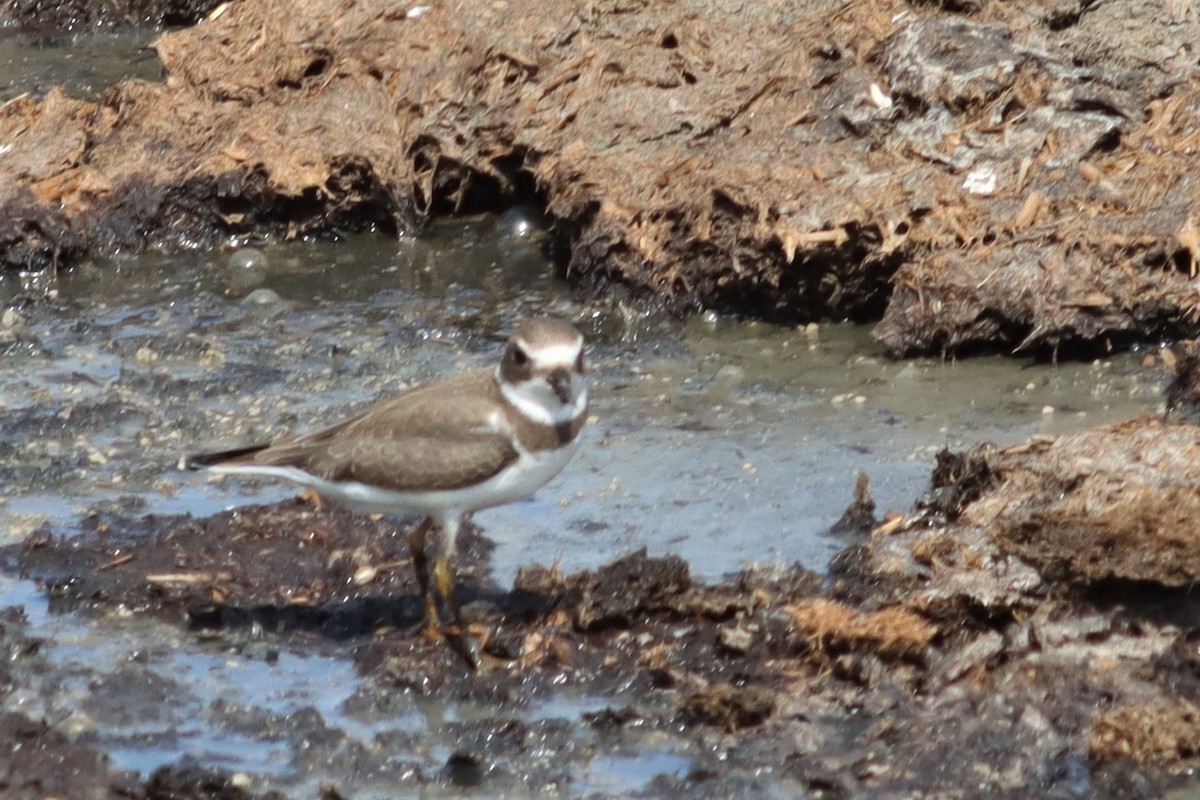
84	64
723	442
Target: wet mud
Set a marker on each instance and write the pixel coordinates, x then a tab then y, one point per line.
346	575
996	176
1026	628
39	760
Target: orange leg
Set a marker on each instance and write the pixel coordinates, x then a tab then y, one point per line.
466	644
432	626
441	587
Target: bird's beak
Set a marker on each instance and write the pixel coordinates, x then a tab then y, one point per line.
560	382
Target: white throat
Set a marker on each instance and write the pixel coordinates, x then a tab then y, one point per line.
538	403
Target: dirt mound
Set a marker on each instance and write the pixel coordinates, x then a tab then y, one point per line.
1114	503
964	177
1060	568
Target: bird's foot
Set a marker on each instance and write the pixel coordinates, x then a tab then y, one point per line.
485	661
466	646
312	498
468	640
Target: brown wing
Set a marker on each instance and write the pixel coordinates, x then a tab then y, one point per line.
435	437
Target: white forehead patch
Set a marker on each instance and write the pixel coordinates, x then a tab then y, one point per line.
564	354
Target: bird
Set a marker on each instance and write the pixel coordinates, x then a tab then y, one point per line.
442	451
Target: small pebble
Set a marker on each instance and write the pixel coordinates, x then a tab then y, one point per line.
735	639
77	724
365	574
211	359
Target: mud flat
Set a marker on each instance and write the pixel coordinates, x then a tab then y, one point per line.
270	648
1014	175
1027	628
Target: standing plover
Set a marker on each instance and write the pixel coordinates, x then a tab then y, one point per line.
443	451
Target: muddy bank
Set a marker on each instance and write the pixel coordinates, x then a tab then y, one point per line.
1060	572
1011	176
1026	629
346	575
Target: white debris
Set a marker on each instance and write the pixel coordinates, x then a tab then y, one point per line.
981	180
878	97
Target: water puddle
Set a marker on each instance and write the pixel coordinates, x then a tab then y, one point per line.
625	775
84	63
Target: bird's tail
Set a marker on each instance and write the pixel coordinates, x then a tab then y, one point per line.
200	461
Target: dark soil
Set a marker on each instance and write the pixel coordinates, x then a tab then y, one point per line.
981	175
48	765
37	761
346	575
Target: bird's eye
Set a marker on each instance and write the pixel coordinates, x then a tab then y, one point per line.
519	357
